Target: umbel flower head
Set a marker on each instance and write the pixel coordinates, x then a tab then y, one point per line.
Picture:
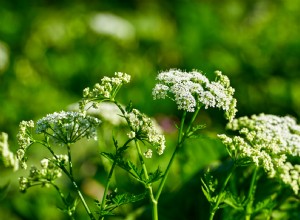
192	89
68	127
270	142
106	90
144	129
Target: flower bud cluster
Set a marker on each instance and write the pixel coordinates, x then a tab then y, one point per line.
6	156
106	90
68	127
144	129
24	135
24	140
268	141
192	89
50	170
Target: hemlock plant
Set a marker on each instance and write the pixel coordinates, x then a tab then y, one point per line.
267	145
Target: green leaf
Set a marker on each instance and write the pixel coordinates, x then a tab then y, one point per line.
70	204
109	156
125	198
210	182
115	142
136	172
121	150
129	107
192	133
153	177
198	127
122	164
206	193
265	204
233	201
115	200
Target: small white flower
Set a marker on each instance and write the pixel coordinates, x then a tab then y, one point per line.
148	153
131	134
23	183
44	163
61	159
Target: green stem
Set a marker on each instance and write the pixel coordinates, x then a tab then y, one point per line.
69	174
83	200
70	160
148	185
63	199
215	206
75	184
193	119
179	142
103	203
250	197
59	192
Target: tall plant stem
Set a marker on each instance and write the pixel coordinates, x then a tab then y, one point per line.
180	140
70	176
63	199
250	197
111	171
148	185
215	206
82	199
70	160
107	187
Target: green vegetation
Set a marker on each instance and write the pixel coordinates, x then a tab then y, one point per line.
51	50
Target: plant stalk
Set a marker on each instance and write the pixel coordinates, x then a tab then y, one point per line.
179	141
70	175
215	206
250	197
103	202
148	185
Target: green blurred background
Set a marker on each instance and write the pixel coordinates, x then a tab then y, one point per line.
51	50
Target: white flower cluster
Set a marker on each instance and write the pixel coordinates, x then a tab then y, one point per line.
148	153
269	141
24	141
107	90
68	127
50	171
143	128
6	156
191	89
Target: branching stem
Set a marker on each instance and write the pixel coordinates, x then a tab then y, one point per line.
148	185
215	205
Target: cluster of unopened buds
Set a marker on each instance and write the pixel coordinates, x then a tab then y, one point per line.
50	170
143	128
